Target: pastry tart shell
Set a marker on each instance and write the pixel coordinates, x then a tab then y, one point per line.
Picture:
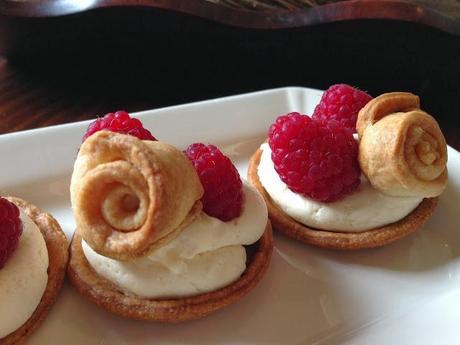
57	245
108	296
372	238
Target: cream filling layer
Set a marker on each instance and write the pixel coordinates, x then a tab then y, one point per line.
206	256
364	209
24	278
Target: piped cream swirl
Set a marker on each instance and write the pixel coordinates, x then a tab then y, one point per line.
364	209
23	279
129	195
207	255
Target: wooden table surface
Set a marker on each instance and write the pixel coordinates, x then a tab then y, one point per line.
190	59
449	7
28	103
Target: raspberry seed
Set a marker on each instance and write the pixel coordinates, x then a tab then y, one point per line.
223	189
341	102
10	230
119	122
315	158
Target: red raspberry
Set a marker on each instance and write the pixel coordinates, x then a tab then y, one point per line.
10	230
119	122
223	189
341	102
317	159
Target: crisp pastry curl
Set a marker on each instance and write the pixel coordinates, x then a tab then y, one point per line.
130	196
402	150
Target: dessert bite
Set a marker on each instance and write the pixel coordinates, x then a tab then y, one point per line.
162	235
33	260
326	186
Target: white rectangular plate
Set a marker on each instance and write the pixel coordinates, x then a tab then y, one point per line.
405	293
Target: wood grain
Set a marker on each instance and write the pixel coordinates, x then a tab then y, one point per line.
448	7
262	14
156	59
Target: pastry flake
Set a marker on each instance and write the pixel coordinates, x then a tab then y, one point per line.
129	195
402	150
337	239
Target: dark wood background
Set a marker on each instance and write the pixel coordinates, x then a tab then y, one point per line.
76	67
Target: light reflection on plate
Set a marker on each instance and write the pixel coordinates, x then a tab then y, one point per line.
309	296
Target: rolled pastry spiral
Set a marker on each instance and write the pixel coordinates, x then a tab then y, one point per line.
129	196
402	150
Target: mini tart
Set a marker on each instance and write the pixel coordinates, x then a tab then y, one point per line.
376	237
108	296
56	244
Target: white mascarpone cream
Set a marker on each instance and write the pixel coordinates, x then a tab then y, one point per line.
206	256
364	209
23	279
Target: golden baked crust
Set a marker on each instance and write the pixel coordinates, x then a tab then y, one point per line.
56	244
402	150
106	295
129	195
388	103
340	240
